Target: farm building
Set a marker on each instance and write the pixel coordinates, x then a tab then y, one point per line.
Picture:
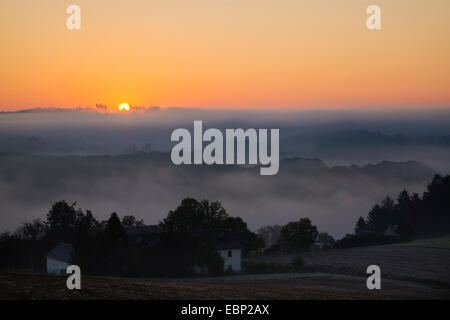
59	258
392	230
228	245
225	242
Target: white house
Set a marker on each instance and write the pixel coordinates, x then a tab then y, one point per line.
232	259
228	246
225	242
59	258
392	230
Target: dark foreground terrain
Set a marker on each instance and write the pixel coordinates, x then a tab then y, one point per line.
424	261
278	286
416	270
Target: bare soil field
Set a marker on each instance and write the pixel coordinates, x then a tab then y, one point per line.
423	261
286	286
416	270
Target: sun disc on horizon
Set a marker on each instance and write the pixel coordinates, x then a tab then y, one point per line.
124	107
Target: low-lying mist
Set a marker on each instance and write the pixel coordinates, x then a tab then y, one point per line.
119	162
148	186
335	136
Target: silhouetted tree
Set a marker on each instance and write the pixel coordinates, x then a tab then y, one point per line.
380	217
326	239
13	251
436	207
194	216
87	240
402	208
428	215
298	235
62	220
250	241
114	231
403	199
406	232
32	232
360	225
270	234
131	221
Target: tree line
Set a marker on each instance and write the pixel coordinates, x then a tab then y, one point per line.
410	216
103	248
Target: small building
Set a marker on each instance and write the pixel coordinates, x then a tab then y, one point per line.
225	242
364	232
229	247
59	258
324	241
318	246
392	230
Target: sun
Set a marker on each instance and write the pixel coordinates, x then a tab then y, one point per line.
124	107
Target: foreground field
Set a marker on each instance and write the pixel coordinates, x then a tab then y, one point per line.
416	270
423	261
281	286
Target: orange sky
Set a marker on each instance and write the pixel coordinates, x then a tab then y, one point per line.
225	53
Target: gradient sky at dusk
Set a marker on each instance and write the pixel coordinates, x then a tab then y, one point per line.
225	53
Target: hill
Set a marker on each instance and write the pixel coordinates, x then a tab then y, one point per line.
421	261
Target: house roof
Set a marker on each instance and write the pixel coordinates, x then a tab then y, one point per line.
391	230
62	252
364	231
221	239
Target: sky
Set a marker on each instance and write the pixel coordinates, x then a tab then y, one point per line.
280	54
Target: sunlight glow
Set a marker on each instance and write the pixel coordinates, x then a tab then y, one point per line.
124	107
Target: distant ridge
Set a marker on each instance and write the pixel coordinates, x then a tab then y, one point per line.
42	110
